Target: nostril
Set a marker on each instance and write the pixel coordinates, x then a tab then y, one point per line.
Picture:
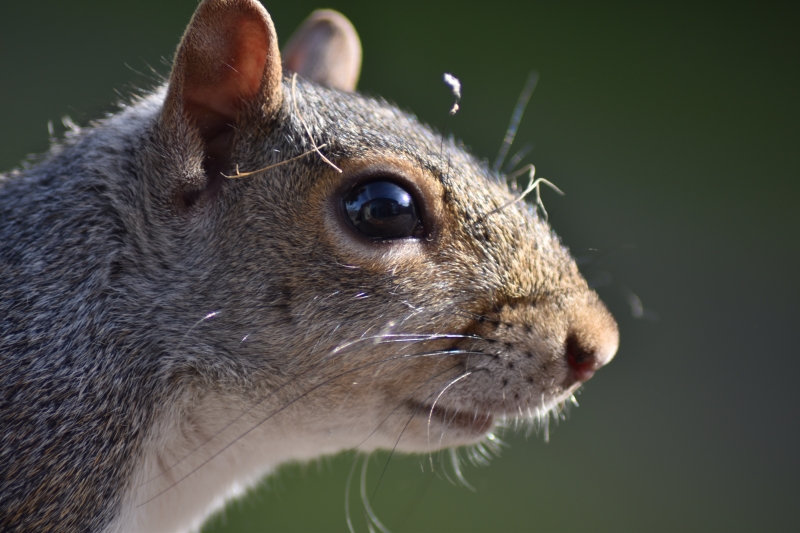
582	361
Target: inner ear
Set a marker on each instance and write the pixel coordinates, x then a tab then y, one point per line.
223	72
325	49
227	65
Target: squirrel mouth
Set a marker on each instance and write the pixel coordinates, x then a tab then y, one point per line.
473	422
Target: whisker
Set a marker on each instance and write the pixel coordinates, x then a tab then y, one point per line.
209	316
414	391
433	406
455	462
279	410
231	423
347	496
404	337
519	156
546	421
279	389
370	513
516	117
402	432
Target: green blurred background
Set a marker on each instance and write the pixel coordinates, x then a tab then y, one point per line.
673	128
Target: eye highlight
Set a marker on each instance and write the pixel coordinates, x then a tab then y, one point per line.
383	210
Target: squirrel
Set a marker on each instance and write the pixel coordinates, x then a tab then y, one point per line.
255	264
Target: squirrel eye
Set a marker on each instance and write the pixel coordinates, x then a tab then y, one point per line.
383	210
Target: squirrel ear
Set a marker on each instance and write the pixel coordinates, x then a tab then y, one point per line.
227	61
325	49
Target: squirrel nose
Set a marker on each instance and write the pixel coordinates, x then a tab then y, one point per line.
582	362
589	347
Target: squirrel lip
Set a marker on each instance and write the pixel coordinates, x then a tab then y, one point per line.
474	422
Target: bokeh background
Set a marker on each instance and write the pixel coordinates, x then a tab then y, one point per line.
674	130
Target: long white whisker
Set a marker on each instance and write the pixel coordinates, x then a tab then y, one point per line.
456	463
403	337
347	496
370	513
433	406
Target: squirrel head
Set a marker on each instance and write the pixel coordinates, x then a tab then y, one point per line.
354	262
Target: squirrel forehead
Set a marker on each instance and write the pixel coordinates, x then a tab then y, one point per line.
360	128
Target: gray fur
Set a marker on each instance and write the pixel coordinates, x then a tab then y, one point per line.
106	280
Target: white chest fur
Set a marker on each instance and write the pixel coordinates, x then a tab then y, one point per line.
197	460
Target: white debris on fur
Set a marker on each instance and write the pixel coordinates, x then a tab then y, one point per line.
455	86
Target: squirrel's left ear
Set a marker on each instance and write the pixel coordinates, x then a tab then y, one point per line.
227	64
325	49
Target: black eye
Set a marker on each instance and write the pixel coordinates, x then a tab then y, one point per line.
383	210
